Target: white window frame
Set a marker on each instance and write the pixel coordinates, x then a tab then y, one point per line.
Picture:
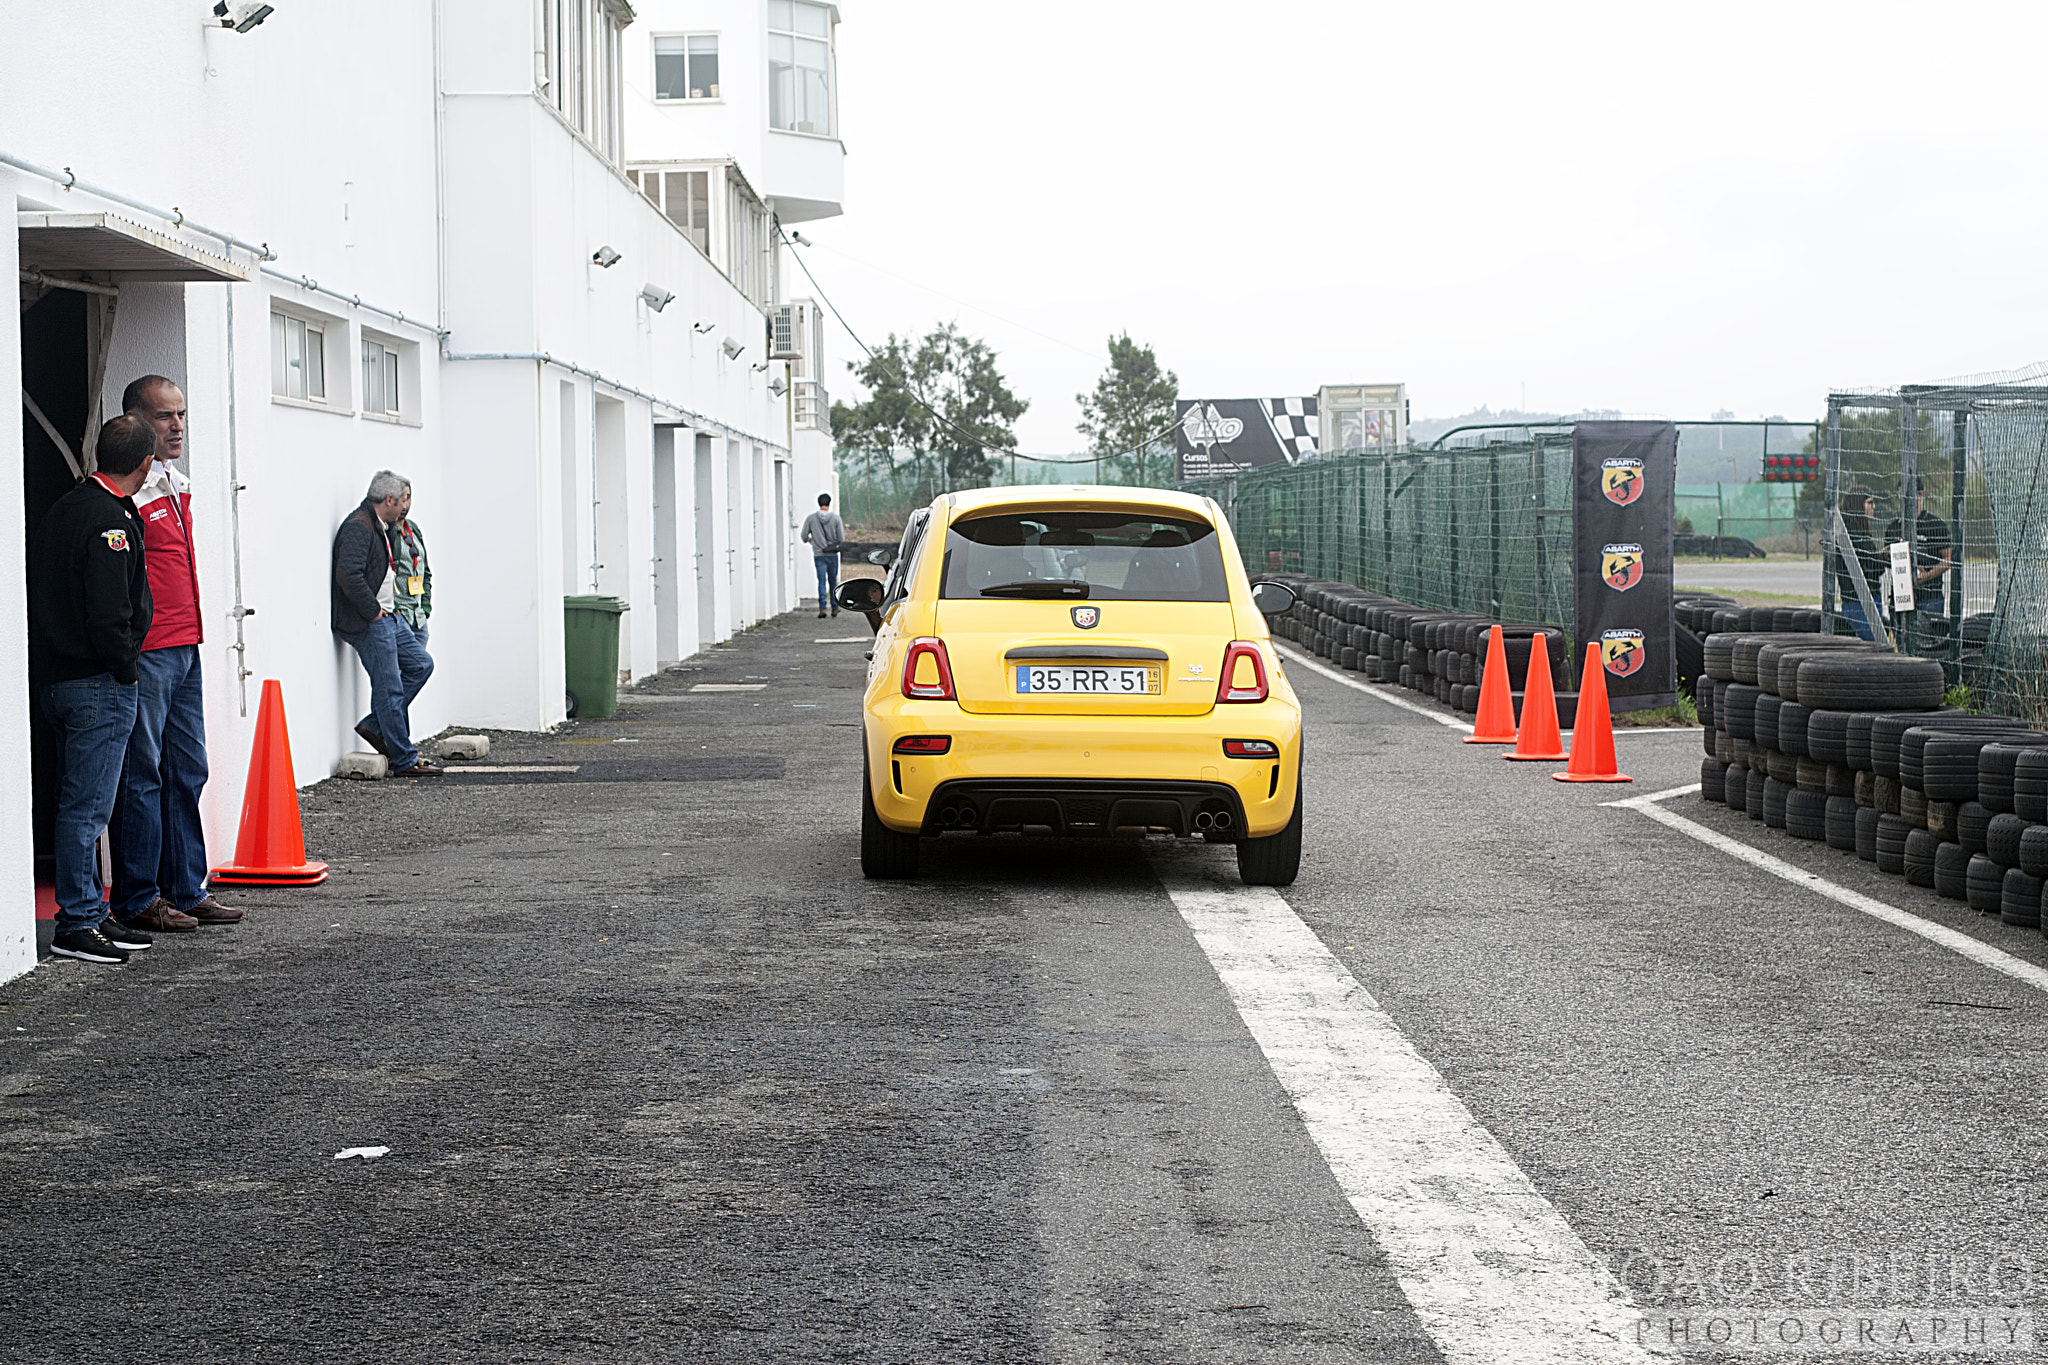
577	67
718	55
831	41
384	386
286	319
652	181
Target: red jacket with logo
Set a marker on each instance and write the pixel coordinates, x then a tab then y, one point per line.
165	505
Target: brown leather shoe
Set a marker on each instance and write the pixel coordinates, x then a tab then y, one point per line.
423	768
211	911
161	917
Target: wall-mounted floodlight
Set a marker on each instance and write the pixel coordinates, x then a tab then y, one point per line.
732	348
605	258
778	386
700	328
241	17
655	297
799	239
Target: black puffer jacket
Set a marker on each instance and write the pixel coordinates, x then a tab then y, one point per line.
362	556
89	592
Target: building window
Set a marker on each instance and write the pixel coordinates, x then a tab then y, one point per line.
748	243
576	66
298	358
800	66
380	379
686	67
684	197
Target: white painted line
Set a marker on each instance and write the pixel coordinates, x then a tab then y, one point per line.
1983	954
844	640
1337	675
1494	1272
728	687
459	767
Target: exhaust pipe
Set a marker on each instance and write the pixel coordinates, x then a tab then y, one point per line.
1204	820
949	815
1222	819
967	818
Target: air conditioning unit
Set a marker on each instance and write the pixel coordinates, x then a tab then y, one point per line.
789	330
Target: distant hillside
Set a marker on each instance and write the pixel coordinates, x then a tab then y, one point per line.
1706	454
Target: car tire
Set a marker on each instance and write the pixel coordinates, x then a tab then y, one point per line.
2019	899
1891	843
569	705
1866	833
1841	823
1273	859
1921	847
1806	815
1952	872
1984	884
1712	776
885	854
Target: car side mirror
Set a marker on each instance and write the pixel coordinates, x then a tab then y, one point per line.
1272	598
878	557
858	594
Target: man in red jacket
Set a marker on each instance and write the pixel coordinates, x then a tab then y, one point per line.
159	845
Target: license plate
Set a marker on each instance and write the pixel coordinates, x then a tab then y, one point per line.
1087	680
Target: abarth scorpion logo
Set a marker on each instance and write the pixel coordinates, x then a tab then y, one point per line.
1086	617
1621	479
1621	566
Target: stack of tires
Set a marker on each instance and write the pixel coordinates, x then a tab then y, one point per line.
1838	741
1440	654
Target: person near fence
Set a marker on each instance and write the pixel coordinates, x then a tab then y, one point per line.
363	612
1859	505
158	842
89	609
1932	556
824	532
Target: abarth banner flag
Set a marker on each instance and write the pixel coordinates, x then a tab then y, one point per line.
1623	477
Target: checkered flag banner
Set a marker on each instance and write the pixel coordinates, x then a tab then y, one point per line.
1294	426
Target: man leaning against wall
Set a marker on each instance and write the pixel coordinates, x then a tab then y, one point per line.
364	611
159	843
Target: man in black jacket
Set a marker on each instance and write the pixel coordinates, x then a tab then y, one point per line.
362	612
90	608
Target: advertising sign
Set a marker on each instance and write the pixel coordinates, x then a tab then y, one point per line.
1623	477
1218	435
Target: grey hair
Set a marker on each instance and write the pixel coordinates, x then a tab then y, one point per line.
388	485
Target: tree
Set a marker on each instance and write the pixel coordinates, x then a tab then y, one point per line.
1128	420
945	371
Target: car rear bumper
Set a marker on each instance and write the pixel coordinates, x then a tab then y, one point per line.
1080	806
1172	766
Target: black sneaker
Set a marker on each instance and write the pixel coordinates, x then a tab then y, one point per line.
87	945
121	936
821	616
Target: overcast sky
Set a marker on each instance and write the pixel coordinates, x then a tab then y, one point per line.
1614	206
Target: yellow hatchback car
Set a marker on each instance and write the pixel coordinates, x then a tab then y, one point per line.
1082	661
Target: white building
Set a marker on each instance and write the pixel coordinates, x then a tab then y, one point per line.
403	234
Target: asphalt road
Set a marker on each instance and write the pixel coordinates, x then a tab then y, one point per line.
664	1079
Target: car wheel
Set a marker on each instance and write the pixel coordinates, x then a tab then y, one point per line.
1275	859
569	704
885	855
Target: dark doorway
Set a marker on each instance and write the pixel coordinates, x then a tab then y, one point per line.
54	374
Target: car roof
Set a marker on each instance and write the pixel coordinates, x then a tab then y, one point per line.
1096	497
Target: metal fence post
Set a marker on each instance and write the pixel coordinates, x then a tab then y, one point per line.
1831	494
1493	548
1959	446
1909	514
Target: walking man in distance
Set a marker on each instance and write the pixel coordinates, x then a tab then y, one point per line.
824	532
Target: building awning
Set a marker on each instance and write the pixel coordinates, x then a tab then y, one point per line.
111	246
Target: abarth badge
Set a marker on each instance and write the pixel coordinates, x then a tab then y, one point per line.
1086	617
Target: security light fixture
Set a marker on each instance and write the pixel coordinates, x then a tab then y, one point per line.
778	386
799	239
700	328
241	17
758	366
605	258
731	348
655	297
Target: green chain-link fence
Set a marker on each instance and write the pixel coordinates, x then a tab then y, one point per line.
1978	456
1487	531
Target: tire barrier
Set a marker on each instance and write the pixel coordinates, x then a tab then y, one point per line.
1836	741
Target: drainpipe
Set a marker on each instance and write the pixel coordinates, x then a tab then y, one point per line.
239	612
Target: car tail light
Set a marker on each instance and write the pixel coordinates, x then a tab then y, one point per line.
1250	748
939	685
1244	674
924	744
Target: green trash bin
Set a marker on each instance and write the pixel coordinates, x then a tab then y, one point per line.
590	628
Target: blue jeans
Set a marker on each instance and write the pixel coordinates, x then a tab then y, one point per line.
159	845
98	715
828	579
1852	611
398	669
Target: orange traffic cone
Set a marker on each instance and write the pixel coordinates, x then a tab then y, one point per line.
1592	729
271	848
1539	740
1496	723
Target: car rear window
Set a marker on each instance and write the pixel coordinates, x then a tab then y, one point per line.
1108	556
